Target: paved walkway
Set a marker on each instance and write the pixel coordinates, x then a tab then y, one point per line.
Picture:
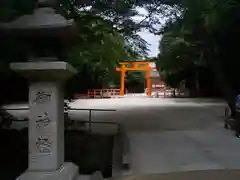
168	135
174	151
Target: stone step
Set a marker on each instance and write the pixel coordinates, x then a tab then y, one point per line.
84	177
95	176
177	151
189	175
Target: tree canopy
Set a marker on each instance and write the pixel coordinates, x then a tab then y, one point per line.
107	33
199	45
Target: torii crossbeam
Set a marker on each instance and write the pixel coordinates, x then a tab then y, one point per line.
135	66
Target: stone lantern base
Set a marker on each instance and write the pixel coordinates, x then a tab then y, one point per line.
46	120
68	171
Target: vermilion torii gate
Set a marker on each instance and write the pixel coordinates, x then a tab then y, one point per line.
135	66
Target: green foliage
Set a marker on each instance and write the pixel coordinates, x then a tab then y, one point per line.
203	37
106	34
97	55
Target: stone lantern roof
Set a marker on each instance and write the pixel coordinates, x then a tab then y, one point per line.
44	32
43	21
40	19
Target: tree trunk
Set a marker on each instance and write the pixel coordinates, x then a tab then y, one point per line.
174	92
197	86
227	90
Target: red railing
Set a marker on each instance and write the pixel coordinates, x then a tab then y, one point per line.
103	93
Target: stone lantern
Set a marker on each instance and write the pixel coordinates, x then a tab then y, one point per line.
47	34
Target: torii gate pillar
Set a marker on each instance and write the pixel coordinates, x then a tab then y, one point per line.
144	66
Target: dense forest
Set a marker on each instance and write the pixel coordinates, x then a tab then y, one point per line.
199	43
106	35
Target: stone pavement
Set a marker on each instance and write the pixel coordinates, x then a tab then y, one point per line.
174	151
169	135
190	175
